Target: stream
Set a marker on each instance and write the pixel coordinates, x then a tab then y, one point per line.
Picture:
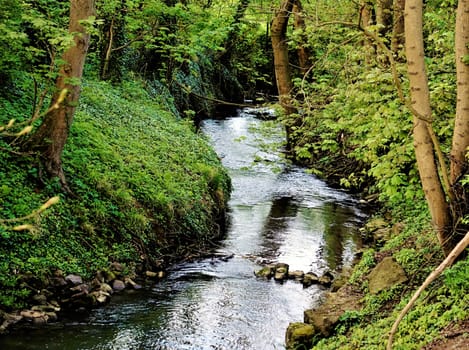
277	213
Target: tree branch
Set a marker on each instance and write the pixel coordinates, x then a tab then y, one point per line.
435	273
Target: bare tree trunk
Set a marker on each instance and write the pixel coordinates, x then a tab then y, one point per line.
299	24
420	99
278	34
397	40
461	124
384	16
108	51
365	21
52	134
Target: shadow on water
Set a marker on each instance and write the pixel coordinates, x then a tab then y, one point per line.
282	210
278	213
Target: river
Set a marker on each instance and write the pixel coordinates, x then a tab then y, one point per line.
277	213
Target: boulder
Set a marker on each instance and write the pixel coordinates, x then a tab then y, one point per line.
309	279
281	271
296	275
326	279
151	274
382	234
131	284
265	272
79	291
8	321
118	285
46	308
385	275
74	279
325	317
375	224
100	297
36	317
40	299
104	287
117	267
299	335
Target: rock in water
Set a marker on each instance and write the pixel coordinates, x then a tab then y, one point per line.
299	336
281	271
265	272
309	279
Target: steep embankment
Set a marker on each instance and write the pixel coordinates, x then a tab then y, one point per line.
147	189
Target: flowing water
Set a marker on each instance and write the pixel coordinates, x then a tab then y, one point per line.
278	213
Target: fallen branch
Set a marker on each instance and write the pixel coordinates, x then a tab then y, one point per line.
435	273
216	100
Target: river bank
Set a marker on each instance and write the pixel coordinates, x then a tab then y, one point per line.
147	191
277	212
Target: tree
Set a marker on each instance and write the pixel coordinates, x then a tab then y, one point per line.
446	208
384	16
51	136
461	124
299	24
397	39
278	35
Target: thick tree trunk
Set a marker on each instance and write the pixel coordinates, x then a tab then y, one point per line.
299	24
424	150
461	124
278	34
397	40
51	136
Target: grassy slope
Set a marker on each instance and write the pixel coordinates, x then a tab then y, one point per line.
445	301
146	187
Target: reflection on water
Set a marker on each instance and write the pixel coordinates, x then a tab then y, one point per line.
277	213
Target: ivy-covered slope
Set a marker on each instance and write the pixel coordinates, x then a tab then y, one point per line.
146	187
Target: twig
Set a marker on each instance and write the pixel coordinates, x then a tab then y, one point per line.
435	273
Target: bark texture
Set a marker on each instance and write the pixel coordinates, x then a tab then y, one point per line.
461	124
299	24
420	99
278	34
397	40
51	136
384	15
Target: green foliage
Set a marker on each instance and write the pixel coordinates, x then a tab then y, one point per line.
142	179
444	302
367	261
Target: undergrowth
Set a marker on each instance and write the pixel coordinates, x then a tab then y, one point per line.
443	303
143	184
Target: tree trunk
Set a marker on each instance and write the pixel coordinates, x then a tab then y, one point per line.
420	99
365	21
51	136
299	24
397	40
384	16
278	34
461	124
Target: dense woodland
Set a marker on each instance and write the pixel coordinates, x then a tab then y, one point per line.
373	95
